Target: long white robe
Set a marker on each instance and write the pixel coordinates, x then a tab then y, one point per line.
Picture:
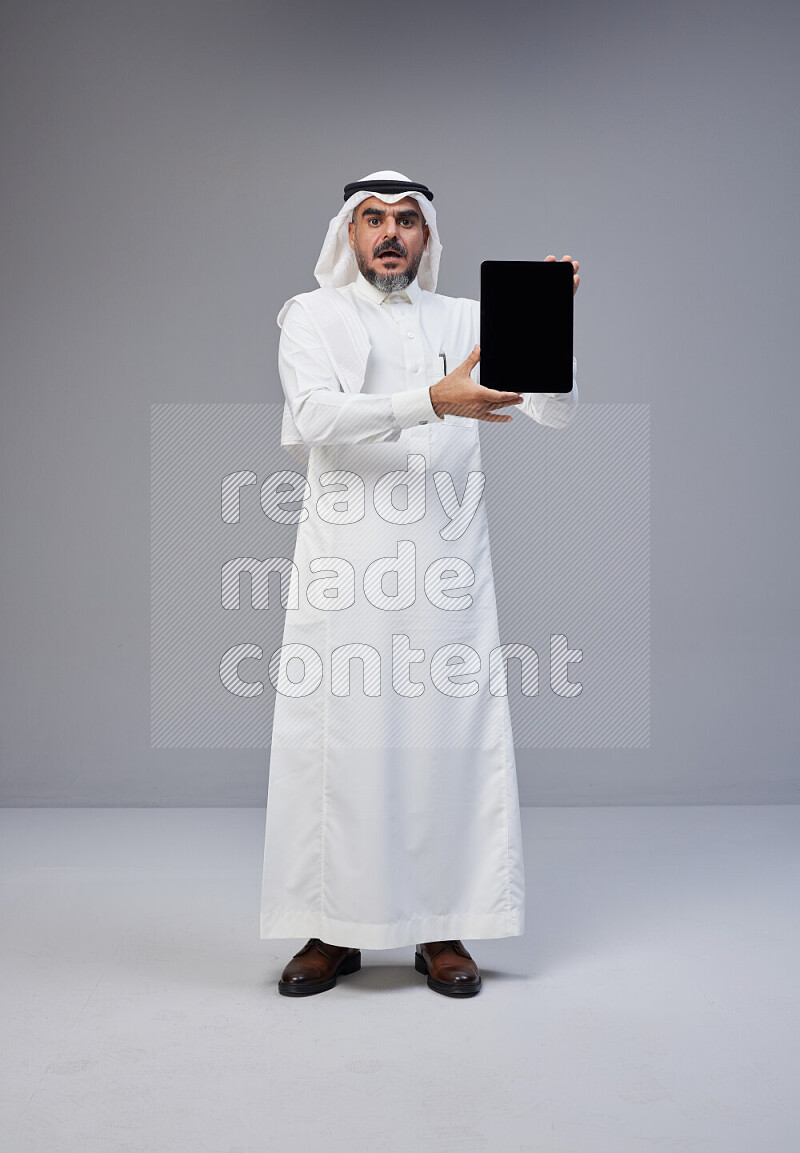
391	818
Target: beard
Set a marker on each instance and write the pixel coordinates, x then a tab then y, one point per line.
389	281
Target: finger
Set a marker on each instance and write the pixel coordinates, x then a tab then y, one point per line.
473	358
492	394
567	258
550	257
506	403
491	416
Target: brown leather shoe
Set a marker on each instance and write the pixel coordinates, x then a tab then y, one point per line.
450	968
316	967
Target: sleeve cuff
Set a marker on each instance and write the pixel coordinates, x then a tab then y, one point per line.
414	407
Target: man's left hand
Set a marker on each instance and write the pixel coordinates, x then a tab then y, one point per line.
575	264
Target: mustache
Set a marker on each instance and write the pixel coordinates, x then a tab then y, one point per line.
390	246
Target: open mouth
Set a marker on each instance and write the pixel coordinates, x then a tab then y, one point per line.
391	256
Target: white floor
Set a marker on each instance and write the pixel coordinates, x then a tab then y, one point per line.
652	1004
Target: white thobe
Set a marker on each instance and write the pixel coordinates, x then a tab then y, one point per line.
392	809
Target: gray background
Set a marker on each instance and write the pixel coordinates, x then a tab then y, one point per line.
168	171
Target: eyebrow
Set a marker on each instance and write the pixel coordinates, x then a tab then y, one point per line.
399	212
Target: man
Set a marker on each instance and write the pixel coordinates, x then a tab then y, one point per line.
392	810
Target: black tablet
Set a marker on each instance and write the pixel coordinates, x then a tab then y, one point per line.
526	325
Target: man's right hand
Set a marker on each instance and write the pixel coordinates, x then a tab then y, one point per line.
458	394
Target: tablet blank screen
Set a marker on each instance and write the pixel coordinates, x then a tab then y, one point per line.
526	325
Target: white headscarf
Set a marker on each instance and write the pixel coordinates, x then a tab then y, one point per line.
337	261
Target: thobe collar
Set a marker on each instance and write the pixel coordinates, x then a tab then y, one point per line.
364	288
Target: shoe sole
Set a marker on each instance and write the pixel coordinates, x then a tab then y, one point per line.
449	988
306	988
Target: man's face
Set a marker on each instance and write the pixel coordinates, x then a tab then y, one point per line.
388	241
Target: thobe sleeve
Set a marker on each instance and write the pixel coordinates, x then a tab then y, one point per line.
555	409
322	413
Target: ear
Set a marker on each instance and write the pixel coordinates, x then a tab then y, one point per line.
425	233
351	232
